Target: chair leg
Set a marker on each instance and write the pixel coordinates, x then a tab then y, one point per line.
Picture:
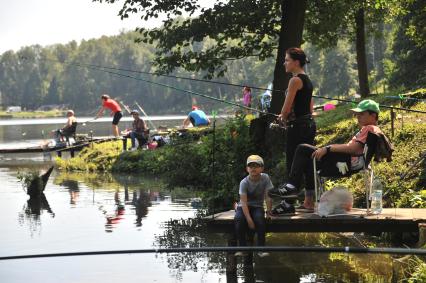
315	180
319	188
368	177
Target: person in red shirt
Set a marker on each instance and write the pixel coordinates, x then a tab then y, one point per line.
115	108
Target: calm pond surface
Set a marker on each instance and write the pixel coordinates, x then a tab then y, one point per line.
97	212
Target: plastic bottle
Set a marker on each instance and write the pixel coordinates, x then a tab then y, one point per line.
376	197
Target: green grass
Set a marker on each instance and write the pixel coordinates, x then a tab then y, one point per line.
33	114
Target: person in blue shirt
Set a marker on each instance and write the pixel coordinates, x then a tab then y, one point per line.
196	117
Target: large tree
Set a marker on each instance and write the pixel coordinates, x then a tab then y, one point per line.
332	20
239	28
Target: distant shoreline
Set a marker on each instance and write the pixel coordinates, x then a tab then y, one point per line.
32	114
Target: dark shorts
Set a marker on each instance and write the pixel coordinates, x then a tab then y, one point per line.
117	117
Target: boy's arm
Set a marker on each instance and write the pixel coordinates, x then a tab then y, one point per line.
268	202
244	206
351	149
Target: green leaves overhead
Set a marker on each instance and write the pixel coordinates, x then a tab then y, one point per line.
239	28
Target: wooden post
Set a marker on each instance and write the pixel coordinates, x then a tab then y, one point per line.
91	139
231	262
393	122
422	235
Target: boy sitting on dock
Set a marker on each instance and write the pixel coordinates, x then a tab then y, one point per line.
250	214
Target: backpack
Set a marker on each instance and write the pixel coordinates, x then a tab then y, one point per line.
384	148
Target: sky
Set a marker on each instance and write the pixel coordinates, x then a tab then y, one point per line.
46	22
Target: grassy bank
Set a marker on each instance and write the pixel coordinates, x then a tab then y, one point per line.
33	114
188	163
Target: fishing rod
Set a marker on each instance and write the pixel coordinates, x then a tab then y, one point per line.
175	88
88	121
354	250
105	69
144	113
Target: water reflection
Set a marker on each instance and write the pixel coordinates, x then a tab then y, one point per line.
33	209
294	267
74	191
141	203
133	208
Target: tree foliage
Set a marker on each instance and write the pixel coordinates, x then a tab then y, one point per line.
37	75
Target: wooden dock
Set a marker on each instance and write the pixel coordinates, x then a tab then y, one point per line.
61	148
390	220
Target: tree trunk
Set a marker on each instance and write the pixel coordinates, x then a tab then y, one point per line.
361	57
292	21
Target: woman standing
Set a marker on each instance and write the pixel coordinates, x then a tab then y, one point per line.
297	110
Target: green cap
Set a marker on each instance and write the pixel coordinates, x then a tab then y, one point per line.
367	104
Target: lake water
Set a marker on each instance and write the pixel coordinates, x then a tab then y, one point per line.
96	212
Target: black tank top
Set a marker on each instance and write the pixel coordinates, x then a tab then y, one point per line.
302	101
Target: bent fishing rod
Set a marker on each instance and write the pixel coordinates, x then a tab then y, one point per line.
105	69
347	249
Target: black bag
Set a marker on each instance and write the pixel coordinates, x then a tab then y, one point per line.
384	148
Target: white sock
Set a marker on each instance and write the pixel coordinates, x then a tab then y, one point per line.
290	186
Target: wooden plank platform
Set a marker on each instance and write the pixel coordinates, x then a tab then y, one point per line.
76	146
390	220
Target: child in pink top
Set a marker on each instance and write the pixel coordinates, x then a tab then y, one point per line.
247	96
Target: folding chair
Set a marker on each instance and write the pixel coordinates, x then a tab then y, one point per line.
367	169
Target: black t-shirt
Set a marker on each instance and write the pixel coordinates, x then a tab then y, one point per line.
302	101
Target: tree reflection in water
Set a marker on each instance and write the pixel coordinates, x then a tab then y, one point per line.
190	233
32	210
294	267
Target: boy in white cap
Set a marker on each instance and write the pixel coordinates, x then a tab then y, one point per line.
250	214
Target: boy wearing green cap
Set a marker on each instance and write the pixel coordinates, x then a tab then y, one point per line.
250	214
328	157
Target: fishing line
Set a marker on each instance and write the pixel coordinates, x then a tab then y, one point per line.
175	88
353	250
105	69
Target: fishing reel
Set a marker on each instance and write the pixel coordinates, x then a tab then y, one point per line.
277	124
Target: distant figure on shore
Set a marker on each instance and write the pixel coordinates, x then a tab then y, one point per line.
196	117
115	108
247	98
61	135
137	132
265	99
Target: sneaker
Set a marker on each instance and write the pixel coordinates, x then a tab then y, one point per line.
263	254
240	254
302	208
283	191
283	208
